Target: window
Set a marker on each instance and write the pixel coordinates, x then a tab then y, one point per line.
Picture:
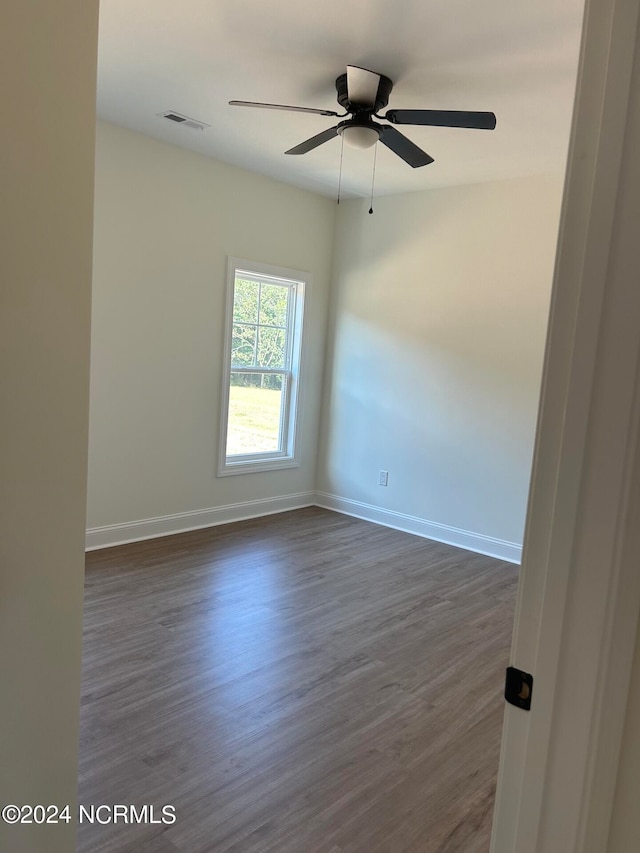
262	368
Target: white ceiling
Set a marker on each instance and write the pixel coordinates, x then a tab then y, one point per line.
515	58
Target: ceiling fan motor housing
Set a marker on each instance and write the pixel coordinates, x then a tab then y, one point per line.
382	97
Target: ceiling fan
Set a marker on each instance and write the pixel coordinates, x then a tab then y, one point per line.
363	94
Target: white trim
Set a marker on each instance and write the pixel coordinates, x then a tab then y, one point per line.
299	282
579	594
467	539
253	466
181	522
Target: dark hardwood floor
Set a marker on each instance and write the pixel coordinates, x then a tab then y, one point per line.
301	683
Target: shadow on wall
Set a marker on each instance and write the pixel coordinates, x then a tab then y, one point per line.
450	429
439	318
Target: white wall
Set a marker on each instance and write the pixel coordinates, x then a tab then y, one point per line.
48	64
165	221
438	322
433	357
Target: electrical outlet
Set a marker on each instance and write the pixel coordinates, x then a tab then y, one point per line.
383	478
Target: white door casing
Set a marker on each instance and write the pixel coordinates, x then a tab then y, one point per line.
579	594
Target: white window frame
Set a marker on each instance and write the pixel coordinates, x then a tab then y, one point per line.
288	457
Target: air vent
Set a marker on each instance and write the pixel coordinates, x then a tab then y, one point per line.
185	121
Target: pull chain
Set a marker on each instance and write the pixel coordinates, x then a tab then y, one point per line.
373	176
340	174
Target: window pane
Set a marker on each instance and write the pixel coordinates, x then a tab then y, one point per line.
274	302
243	345
271	347
255	406
245	301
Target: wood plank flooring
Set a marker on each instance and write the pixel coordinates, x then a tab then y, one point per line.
301	683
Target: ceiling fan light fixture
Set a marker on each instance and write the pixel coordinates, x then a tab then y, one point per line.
359	136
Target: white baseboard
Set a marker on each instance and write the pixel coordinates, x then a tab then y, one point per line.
180	522
478	542
150	528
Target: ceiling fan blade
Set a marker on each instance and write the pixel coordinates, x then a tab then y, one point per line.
443	118
282	107
362	86
403	147
310	144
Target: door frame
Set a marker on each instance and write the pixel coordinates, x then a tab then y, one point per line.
579	593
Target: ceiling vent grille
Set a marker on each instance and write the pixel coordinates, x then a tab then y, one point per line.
185	121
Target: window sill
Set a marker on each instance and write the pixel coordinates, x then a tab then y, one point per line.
230	469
